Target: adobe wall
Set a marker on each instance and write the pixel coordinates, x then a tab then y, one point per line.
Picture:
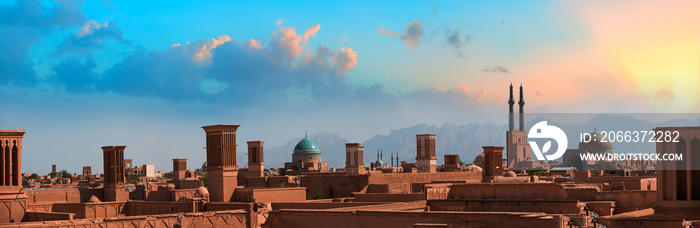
348	219
320	206
91	210
508	191
389	188
294	194
530	205
437	191
333	185
645	222
626	201
46	216
236	218
390	178
179	193
40	207
389	197
71	195
226	206
135	207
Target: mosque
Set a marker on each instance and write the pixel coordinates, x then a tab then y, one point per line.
306	157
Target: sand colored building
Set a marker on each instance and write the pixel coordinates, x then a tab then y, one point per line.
222	170
425	153
354	158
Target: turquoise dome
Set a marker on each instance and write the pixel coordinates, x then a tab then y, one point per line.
306	146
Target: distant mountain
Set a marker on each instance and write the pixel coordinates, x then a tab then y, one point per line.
466	140
332	148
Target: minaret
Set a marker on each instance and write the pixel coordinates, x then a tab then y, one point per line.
522	111
392	159
511	125
397	159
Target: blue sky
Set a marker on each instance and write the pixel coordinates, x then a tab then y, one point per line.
80	75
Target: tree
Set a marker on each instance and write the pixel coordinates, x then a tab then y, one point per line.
64	174
34	176
53	174
203	178
168	175
133	179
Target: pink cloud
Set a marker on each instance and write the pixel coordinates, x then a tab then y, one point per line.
287	40
664	96
253	44
412	34
476	94
203	52
345	59
311	32
385	32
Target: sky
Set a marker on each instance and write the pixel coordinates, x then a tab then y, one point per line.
78	75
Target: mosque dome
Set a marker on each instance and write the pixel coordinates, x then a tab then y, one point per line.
479	160
379	163
597	144
306	146
510	174
306	151
461	162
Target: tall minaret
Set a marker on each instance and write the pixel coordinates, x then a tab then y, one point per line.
392	159
397	159
522	111
511	125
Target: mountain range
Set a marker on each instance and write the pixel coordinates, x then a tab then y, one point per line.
466	140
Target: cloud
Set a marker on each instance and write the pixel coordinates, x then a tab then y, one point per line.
412	34
345	59
311	32
456	40
385	32
459	96
90	37
25	23
202	49
495	69
253	44
286	42
279	22
77	77
664	96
